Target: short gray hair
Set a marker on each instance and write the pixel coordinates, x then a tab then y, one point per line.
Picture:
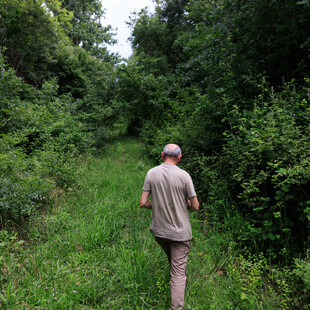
176	152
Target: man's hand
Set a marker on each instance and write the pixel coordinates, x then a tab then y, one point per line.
144	200
193	204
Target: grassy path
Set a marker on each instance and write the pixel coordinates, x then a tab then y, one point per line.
95	251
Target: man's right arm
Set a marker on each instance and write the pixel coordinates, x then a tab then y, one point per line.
144	200
193	203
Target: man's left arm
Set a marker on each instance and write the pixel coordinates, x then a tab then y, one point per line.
144	200
193	203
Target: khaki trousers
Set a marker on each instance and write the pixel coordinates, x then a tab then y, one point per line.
177	253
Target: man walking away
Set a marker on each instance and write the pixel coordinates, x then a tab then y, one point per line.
172	195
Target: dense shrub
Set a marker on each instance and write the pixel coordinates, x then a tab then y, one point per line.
264	169
22	192
43	135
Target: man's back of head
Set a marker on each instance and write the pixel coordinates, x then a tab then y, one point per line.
172	152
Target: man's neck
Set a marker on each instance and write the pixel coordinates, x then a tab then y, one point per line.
171	161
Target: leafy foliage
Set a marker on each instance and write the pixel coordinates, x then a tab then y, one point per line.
30	36
227	80
56	100
35	33
267	162
86	29
213	77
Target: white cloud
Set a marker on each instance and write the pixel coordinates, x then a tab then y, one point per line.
117	13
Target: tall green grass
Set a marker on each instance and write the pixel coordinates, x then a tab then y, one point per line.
93	250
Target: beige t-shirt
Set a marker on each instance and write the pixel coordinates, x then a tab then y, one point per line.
170	187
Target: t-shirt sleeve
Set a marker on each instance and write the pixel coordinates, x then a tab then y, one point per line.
147	185
190	190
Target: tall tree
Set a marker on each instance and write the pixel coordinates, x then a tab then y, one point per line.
270	37
155	34
87	30
30	36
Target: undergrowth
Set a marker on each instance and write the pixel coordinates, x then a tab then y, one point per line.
93	250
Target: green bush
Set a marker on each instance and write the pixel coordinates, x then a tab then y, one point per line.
301	271
58	163
266	158
21	191
42	138
156	138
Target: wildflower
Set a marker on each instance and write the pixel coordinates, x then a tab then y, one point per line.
39	300
77	283
55	297
46	287
74	292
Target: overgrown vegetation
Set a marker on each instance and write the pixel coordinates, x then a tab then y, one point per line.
94	251
227	80
220	80
55	100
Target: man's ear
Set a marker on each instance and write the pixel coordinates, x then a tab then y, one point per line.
162	155
179	157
